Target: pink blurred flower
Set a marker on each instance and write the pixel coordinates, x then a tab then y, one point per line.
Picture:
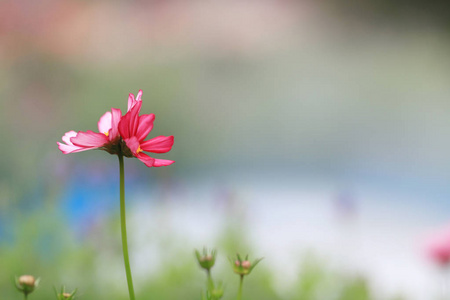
121	135
438	246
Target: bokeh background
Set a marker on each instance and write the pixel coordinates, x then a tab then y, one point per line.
315	134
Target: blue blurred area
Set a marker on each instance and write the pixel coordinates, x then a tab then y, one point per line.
91	193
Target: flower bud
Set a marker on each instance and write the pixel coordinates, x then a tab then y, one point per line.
208	257
206	260
246	264
243	267
26	284
215	292
27	280
63	295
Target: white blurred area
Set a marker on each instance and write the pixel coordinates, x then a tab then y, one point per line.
366	231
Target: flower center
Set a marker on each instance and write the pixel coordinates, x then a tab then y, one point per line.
138	150
106	133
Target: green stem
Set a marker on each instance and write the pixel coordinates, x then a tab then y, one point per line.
210	283
123	228
26	296
208	272
241	283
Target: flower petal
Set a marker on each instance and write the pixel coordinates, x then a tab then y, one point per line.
104	124
139	96
67	136
134	119
162	162
129	123
89	139
145	126
132	143
147	160
66	149
133	101
159	144
116	115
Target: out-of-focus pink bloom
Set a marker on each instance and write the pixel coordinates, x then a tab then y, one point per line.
122	135
134	129
438	246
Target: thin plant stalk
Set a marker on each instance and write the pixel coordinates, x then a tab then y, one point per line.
25	295
210	282
241	284
123	228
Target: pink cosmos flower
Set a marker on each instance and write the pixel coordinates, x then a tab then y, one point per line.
122	135
438	246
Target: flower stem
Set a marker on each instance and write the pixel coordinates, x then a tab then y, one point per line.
26	296
241	283
123	228
208	272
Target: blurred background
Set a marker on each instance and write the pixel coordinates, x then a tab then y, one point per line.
312	133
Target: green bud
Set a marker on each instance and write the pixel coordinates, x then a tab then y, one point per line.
214	292
63	295
217	292
243	267
207	259
26	284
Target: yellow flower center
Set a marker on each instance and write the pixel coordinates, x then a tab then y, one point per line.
106	133
138	150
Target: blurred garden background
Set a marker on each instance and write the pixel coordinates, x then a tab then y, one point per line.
315	134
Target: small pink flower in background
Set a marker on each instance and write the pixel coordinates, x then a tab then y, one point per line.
437	246
122	134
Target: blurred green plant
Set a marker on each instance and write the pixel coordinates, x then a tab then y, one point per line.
64	260
206	260
63	295
26	284
214	292
242	268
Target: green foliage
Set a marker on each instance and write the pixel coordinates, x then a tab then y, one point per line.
355	289
317	282
75	263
